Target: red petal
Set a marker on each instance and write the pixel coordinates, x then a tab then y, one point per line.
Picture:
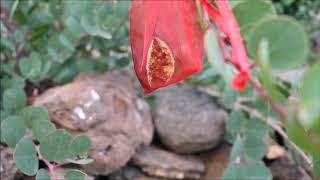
240	81
166	42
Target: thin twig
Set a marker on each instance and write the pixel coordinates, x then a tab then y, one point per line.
50	166
264	94
277	126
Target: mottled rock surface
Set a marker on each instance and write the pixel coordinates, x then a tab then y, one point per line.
130	173
106	108
187	120
216	161
8	167
160	163
285	168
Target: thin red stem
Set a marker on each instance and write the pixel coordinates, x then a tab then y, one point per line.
264	94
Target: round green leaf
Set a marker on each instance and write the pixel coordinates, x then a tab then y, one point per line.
287	41
310	97
13	129
26	158
32	114
14	99
55	146
80	145
41	129
42	174
30	67
74	175
250	12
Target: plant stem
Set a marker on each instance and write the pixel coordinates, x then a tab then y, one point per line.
276	126
50	166
264	94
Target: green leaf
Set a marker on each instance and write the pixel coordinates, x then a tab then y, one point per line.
41	129
14	99
310	97
81	161
80	145
13	129
74	175
55	148
14	7
249	12
258	171
215	56
237	150
235	171
287	41
254	148
306	139
316	168
42	174
264	70
25	157
30	67
235	122
249	171
12	82
32	114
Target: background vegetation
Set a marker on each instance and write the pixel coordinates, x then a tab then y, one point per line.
46	43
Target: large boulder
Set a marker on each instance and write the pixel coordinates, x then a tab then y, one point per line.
187	120
106	108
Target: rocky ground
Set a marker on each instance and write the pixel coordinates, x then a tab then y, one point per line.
179	135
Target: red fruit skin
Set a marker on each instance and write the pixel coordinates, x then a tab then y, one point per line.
172	30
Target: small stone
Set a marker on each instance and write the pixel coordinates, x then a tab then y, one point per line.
107	109
187	120
160	163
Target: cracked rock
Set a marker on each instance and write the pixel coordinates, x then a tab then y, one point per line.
107	109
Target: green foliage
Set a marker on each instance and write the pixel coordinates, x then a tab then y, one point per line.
248	149
74	175
55	147
276	44
80	145
287	41
248	13
310	97
42	174
12	130
30	67
13	99
32	114
52	41
250	171
25	157
59	146
55	40
41	129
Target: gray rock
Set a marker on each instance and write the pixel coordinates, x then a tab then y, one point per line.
106	108
188	120
160	163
